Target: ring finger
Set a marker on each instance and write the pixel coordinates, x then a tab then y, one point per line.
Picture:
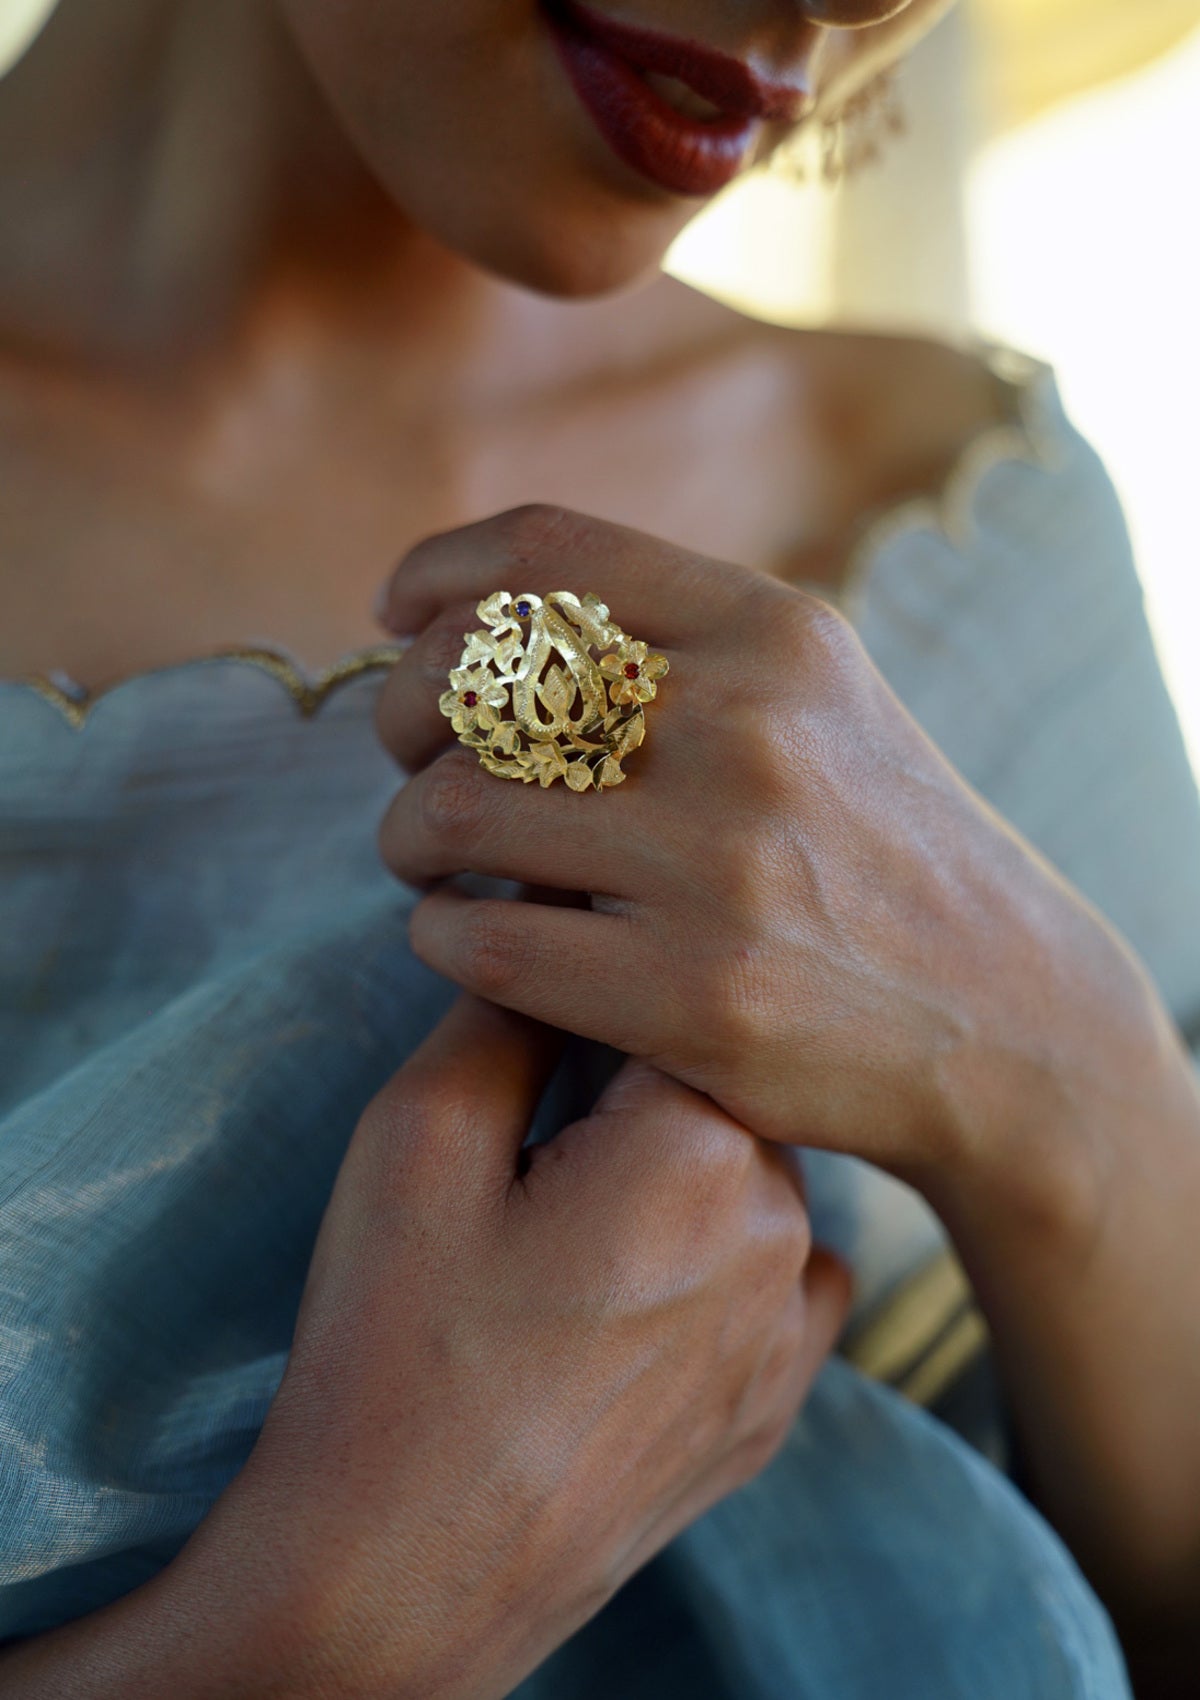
454	817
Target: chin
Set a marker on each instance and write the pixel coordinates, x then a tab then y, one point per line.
575	251
588	265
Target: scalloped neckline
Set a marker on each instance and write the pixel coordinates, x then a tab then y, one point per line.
309	691
1030	437
1027	437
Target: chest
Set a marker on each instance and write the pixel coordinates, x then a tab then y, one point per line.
128	548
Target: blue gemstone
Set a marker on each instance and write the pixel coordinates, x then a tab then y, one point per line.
522	609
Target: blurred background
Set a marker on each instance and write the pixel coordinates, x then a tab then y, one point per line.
1043	194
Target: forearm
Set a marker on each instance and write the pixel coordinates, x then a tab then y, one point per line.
1081	1242
265	1603
154	1642
196	1631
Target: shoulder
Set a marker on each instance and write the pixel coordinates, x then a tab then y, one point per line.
882	417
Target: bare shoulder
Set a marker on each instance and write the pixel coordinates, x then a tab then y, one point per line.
888	396
847	423
887	416
873	393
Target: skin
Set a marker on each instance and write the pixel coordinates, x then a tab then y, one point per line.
321	355
262	280
656	1253
847	948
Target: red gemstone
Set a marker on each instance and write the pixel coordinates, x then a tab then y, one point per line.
470	698
632	669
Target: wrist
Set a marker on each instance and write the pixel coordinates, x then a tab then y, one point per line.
278	1631
301	1619
1039	1112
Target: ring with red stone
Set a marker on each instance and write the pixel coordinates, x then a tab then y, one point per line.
550	688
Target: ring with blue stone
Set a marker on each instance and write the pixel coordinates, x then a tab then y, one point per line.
550	688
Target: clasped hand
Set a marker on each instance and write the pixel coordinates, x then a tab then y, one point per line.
511	1382
796	905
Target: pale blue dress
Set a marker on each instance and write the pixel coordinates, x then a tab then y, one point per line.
204	976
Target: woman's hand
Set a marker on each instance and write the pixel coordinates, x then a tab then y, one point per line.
797	905
514	1378
800	908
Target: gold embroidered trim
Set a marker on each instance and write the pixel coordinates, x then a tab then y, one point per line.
1031	438
946	1360
308	694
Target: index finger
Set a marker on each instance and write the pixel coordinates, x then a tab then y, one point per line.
657	592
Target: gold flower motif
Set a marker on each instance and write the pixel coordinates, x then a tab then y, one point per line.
633	672
473	701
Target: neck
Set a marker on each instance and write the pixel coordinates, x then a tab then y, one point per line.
174	178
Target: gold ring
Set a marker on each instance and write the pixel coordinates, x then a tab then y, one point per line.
573	716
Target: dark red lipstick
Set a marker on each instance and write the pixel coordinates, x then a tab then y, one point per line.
685	155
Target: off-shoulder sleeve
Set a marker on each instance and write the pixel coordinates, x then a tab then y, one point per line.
1010	619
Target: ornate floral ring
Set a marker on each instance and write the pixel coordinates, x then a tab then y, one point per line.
573	716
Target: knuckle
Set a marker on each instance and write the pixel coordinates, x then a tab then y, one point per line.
791	1245
401	1109
793	626
791	1340
741	874
534	528
395	1133
768	1420
778	1364
425	555
803	635
451	801
496	951
778	1247
746	1457
773	759
765	737
694	1181
820	633
721	1158
736	996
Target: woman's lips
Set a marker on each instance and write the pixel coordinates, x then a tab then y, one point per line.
685	155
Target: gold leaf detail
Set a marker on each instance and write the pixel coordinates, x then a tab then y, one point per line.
630	734
491	609
479	646
506	738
